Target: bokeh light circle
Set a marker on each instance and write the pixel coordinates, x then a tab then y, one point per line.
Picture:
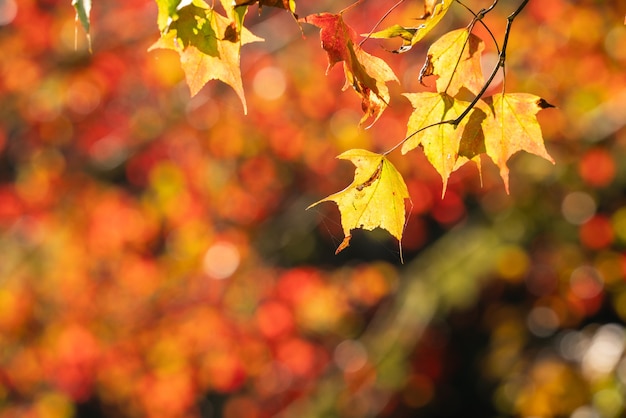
270	83
221	260
578	207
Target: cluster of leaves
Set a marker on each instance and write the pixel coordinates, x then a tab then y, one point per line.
451	130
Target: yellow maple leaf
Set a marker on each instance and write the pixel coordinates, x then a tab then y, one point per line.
440	142
455	59
514	127
209	46
374	199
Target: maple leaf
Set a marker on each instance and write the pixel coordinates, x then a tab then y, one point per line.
434	11
374	199
368	75
514	127
365	73
455	58
334	34
441	142
209	46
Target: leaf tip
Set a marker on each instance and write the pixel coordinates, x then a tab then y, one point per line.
314	204
504	174
344	244
543	104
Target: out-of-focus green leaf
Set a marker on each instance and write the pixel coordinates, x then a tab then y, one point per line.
83	9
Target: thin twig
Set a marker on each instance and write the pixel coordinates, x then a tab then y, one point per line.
380	21
345	9
478	18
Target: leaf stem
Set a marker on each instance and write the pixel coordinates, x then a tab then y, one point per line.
478	18
380	21
500	64
350	6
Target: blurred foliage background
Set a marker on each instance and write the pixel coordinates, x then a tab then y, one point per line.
156	259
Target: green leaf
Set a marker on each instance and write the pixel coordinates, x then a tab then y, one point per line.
83	9
374	199
434	11
396	31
